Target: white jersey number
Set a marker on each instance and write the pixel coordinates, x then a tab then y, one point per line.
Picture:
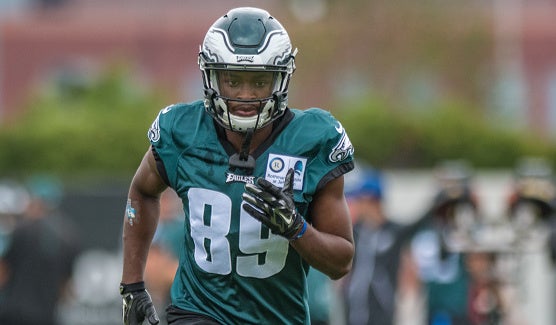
210	214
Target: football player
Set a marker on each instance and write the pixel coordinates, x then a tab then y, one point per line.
261	184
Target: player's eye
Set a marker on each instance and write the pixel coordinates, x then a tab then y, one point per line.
232	83
261	83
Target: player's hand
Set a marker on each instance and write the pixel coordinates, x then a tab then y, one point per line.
137	305
274	207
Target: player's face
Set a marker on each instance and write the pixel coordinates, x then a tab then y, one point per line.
245	86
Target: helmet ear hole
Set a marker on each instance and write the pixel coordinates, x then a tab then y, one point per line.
279	96
210	93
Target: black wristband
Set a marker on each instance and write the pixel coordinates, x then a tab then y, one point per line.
132	287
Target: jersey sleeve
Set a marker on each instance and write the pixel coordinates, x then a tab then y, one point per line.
160	135
335	151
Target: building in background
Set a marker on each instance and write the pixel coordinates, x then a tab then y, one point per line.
70	40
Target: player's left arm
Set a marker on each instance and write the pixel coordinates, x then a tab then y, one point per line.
327	243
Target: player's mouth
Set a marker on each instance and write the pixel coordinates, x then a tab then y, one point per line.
245	110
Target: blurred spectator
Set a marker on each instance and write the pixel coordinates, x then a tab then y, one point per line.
13	202
532	217
370	289
39	259
441	267
168	241
485	298
532	203
443	278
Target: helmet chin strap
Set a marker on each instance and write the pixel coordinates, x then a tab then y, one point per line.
243	159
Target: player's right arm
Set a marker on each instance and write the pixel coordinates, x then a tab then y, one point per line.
141	218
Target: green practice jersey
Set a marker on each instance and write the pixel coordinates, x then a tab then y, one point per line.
232	268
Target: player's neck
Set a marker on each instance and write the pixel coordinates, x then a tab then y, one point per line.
236	138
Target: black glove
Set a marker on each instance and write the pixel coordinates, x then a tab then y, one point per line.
274	207
137	304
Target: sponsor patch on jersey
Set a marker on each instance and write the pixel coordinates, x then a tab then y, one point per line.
278	166
233	178
343	149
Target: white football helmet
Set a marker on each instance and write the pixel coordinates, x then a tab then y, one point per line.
246	39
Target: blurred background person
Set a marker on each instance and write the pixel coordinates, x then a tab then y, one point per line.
38	261
531	215
443	278
162	262
14	199
370	290
485	305
532	205
13	202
